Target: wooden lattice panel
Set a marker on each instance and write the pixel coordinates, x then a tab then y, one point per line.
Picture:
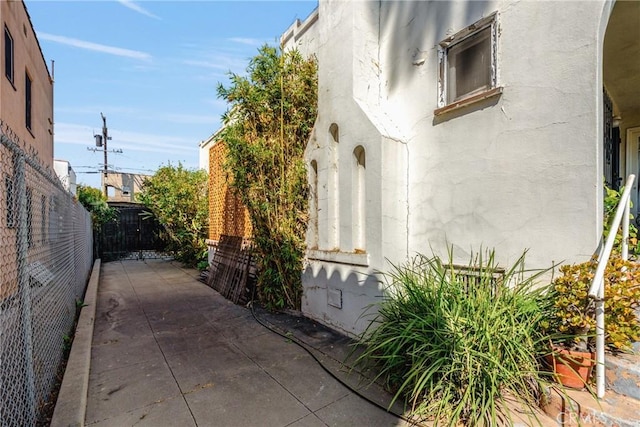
227	214
230	269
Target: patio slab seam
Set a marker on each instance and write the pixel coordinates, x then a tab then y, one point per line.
162	352
284	387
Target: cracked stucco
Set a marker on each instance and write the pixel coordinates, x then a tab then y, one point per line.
514	172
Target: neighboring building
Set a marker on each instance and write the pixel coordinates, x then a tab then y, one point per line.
26	91
66	174
26	125
227	214
304	36
462	124
123	187
205	146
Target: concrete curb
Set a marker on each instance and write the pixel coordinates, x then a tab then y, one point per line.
71	406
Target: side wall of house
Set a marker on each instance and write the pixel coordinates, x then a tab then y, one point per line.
357	171
520	170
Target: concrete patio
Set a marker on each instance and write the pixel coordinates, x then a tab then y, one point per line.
169	351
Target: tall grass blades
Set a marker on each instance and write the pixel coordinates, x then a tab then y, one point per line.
455	345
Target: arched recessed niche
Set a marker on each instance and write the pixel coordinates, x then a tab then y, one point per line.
334	131
359	197
313	205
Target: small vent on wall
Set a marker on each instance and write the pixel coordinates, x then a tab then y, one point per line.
473	277
334	298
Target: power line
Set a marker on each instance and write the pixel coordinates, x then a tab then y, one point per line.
136	169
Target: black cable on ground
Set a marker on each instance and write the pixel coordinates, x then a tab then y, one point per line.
304	347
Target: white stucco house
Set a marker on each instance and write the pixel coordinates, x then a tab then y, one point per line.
472	124
66	175
204	149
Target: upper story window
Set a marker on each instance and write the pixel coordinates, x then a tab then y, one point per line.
468	65
8	54
27	100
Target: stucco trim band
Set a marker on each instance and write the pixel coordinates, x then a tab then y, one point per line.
348	258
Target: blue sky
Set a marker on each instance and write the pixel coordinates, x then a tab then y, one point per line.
152	68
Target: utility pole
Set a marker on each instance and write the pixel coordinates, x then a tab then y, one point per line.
105	137
101	141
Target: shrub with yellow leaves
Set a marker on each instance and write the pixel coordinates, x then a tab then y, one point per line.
571	322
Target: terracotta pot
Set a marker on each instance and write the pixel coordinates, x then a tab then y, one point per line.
571	368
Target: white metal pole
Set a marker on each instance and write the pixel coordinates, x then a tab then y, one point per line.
608	246
597	287
625	230
600	378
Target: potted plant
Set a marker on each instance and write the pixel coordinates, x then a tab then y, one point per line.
571	322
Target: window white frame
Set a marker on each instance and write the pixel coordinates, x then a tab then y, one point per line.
489	23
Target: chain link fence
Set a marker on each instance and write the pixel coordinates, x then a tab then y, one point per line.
45	261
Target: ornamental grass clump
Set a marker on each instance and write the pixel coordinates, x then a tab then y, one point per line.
457	344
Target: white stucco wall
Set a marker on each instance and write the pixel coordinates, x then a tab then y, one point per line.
66	174
349	98
519	171
203	151
302	35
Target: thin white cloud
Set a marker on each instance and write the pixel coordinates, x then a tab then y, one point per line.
76	134
218	55
247	41
220	62
66	133
214	65
191	119
94	110
82	44
179	118
137	8
217	103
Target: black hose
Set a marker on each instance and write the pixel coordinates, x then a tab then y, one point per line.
304	347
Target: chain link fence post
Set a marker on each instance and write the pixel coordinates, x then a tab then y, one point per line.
23	283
